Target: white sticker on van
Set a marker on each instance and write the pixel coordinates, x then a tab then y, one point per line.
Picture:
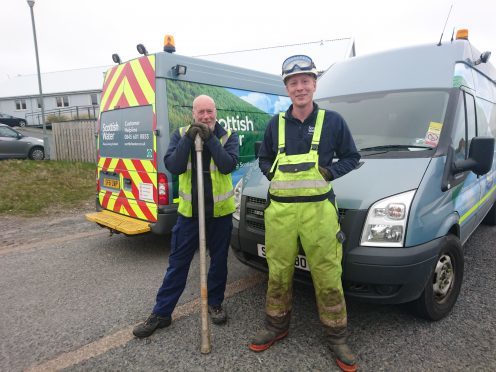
433	133
146	191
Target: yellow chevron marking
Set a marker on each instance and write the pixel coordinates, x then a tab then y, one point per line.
143	82
118	93
106	93
113	164
129	94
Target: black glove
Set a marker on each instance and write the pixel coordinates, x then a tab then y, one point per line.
205	132
193	131
325	173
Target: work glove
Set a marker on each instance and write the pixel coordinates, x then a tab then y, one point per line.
325	173
193	131
205	132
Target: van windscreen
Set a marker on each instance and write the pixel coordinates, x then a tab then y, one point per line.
396	121
127	133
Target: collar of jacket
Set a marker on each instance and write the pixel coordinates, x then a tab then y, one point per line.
219	130
310	119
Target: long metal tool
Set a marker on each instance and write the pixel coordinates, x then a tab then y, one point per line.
205	331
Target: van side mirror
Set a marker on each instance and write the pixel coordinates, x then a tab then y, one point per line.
480	158
258	144
480	161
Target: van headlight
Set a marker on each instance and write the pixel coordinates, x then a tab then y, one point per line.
385	225
237	198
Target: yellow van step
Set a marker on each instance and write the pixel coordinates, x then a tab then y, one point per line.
118	222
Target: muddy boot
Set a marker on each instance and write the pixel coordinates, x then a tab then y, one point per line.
276	328
345	358
265	339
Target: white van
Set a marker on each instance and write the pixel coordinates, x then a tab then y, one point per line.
424	121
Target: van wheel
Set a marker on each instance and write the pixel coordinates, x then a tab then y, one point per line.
490	218
37	153
442	288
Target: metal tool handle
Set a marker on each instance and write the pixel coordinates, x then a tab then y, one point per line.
205	331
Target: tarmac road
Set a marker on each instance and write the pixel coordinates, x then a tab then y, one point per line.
70	295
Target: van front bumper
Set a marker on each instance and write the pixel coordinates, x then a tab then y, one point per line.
389	275
379	275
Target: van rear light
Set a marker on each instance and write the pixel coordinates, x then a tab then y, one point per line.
163	189
97	182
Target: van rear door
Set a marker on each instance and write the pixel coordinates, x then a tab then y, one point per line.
126	166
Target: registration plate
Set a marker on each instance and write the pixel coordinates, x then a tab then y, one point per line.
300	263
112	183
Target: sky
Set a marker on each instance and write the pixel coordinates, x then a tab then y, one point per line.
79	34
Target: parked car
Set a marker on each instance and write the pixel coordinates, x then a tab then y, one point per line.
12	121
15	145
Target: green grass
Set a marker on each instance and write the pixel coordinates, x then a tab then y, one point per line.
31	188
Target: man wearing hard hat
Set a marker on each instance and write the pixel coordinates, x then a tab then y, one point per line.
297	157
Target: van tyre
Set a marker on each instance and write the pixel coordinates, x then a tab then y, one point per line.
490	218
443	287
37	153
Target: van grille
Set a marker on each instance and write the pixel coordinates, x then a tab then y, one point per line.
254	216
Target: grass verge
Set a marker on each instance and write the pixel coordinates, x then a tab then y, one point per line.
28	188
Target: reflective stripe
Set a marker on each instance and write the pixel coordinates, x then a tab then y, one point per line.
219	198
189	166
478	204
213	167
287	185
187	197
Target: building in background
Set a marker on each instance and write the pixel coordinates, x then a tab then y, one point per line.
68	95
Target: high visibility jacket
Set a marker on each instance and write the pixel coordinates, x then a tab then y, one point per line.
222	188
297	177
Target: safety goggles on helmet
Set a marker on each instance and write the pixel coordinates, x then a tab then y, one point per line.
298	64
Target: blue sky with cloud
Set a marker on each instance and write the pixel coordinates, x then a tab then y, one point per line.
268	103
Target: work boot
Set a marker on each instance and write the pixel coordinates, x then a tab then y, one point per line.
265	339
345	359
217	313
149	326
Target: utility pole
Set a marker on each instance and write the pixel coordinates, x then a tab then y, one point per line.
46	143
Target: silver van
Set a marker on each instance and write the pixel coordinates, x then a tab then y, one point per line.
424	120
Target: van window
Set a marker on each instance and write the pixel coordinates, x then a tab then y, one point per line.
392	119
459	138
470	117
486	118
127	133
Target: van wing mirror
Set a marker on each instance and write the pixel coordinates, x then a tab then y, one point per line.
258	144
480	161
480	158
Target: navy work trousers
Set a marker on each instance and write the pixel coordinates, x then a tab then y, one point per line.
184	243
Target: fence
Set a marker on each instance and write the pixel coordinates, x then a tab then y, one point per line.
73	113
75	140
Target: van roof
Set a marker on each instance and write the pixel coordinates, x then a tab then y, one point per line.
417	67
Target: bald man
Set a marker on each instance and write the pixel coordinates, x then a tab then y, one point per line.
219	156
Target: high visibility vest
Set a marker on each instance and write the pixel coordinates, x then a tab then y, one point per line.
297	177
222	188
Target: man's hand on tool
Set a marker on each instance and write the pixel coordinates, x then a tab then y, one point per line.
205	132
193	131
